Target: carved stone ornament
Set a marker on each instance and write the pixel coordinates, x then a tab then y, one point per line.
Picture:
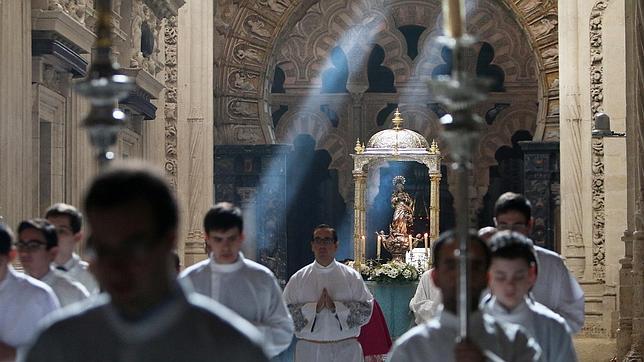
248	135
599	213
170	110
597	58
241	108
544	27
243	81
278	6
256	26
75	8
244	53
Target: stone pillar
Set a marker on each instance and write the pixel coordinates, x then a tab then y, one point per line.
195	122
434	204
634	13
17	177
360	217
574	137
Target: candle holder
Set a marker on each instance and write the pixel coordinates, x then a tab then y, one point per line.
398	244
459	93
104	86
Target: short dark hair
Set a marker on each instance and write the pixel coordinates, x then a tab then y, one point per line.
450	236
61	209
513	245
334	234
133	181
6	239
223	216
511	201
45	227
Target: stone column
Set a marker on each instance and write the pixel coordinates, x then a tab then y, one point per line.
574	138
195	122
18	179
434	204
360	224
630	336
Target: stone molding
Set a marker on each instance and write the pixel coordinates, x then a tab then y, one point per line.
59	25
598	212
170	107
597	57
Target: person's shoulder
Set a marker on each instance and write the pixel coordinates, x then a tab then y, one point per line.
421	333
195	268
75	317
33	287
547	253
257	268
63	281
545	315
213	312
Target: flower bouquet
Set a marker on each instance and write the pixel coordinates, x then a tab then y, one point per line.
390	272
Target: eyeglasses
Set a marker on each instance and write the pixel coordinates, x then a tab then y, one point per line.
323	241
29	245
513	227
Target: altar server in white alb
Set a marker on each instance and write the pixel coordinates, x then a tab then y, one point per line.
512	273
68	222
556	287
427	299
24	301
37	247
145	315
329	302
488	339
248	288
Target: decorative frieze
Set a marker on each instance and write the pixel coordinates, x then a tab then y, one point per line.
170	110
599	214
597	57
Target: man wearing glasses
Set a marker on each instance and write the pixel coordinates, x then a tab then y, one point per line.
37	247
556	287
24	301
329	303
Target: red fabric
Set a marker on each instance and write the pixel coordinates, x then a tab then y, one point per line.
374	336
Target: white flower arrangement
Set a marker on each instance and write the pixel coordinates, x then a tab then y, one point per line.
391	271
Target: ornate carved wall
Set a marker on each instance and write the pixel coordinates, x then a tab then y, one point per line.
298	37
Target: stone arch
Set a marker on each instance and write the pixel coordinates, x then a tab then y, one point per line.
326	137
266	32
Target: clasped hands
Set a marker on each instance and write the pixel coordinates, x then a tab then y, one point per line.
325	301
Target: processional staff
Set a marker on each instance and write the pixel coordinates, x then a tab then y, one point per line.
461	129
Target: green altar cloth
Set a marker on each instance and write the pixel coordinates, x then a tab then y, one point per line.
394	301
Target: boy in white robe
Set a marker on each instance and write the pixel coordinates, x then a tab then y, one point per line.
487	340
68	222
512	275
427	299
246	287
133	218
37	248
556	287
329	302
24	301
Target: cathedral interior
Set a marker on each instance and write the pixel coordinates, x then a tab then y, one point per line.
263	103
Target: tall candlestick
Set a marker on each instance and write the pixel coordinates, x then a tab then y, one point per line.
426	247
362	246
454	18
378	246
411	246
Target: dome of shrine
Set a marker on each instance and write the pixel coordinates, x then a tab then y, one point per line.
397	137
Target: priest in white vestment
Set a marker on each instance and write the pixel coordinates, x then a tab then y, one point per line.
488	340
512	275
329	302
246	287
